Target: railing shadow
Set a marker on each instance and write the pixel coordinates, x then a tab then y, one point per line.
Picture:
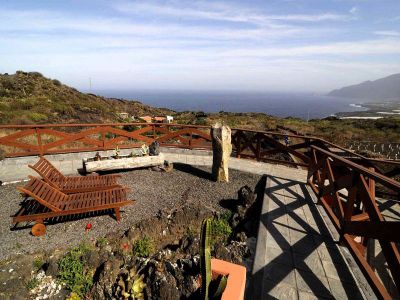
301	254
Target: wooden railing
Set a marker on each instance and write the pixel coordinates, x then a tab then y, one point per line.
271	146
275	147
346	190
27	140
346	183
24	140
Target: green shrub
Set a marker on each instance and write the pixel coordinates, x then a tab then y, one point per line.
226	215
143	247
73	296
35	74
130	128
221	230
74	272
110	135
8	83
38	263
201	121
56	82
191	232
388	123
20	120
102	242
22	104
32	283
63	108
3	106
37	117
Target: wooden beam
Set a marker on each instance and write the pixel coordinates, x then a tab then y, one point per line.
385	231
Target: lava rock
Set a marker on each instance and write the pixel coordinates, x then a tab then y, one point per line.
241	237
154	148
222	252
246	196
93	259
52	267
103	288
168	289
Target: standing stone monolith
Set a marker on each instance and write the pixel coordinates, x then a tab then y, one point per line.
222	149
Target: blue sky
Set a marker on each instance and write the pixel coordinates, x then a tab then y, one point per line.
270	45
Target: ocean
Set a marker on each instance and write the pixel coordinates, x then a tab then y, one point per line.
300	105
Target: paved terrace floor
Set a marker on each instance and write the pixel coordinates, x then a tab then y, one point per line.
296	255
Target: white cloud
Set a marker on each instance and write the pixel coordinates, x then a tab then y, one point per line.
221	12
388	33
310	18
47	22
354	10
150	45
367	47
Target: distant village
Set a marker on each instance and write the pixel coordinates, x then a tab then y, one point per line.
148	119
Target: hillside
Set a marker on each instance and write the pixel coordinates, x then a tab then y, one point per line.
27	98
384	89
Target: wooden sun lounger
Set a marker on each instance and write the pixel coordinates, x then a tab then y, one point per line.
51	203
74	184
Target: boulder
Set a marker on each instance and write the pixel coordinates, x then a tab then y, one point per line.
52	267
103	288
246	196
154	148
222	149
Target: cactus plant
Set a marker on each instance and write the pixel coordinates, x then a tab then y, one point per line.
210	289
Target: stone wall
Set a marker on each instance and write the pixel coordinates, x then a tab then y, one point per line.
16	169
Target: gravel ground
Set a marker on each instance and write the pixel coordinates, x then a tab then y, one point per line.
153	191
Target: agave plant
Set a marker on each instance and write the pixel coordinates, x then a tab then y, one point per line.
210	288
131	285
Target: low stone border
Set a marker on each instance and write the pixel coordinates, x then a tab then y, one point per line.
16	169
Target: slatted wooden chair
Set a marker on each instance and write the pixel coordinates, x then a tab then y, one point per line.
74	184
49	203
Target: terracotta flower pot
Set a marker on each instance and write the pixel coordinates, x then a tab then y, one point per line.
236	278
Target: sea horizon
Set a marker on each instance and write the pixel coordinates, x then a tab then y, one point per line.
279	104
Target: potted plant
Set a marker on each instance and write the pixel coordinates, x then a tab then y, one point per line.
219	279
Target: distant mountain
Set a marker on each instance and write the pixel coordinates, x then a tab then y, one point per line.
27	98
384	89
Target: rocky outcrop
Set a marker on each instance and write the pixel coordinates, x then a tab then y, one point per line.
108	272
222	149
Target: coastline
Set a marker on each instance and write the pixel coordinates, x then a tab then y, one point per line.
305	106
373	110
